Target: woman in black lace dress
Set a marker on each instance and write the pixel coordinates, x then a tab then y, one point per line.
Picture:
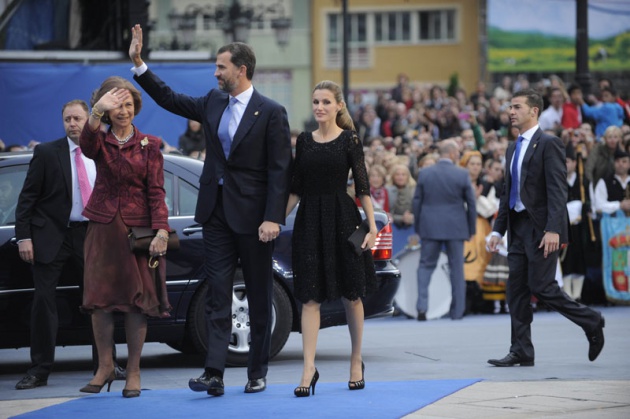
324	265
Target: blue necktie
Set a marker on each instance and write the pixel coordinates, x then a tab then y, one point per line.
514	173
224	127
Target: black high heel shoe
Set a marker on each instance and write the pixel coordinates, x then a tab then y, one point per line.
358	385
306	391
130	393
96	388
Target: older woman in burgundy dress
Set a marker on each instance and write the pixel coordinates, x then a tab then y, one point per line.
128	191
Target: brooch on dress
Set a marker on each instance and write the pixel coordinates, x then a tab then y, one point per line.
144	142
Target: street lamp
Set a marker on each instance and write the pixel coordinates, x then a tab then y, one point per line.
235	21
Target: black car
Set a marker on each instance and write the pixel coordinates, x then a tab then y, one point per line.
185	330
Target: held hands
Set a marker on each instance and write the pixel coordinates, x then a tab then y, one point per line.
135	48
408	218
268	231
551	243
26	251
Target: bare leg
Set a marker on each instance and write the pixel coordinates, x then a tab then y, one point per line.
136	331
103	326
354	316
310	330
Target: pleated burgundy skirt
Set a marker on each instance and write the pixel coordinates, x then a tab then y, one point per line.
116	279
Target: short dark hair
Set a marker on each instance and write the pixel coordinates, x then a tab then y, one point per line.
607	80
609	90
534	100
573	88
79	102
242	54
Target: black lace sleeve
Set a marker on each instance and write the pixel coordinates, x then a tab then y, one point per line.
296	175
356	160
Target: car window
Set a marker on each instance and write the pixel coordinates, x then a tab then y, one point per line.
169	179
11	181
187	198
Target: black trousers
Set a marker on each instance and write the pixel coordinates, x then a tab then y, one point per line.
44	320
222	249
533	274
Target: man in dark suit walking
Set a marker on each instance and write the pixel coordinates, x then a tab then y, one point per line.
533	212
445	216
50	230
242	198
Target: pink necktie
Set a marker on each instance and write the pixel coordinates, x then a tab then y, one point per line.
84	182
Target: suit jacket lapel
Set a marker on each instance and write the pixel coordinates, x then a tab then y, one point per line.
533	143
508	163
63	154
252	112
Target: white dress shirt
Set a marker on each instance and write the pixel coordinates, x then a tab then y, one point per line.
527	137
601	196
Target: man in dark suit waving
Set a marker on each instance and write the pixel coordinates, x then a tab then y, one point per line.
242	198
533	212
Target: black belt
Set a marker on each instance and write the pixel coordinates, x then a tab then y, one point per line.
75	224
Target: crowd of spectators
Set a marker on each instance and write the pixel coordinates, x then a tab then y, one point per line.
401	127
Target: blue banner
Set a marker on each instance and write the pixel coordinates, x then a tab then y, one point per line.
616	256
32	95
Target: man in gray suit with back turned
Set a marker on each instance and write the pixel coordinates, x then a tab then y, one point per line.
445	215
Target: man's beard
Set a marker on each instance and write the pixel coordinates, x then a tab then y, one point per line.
226	86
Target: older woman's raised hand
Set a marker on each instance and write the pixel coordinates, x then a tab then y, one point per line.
113	99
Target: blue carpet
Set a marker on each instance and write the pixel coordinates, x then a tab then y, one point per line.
392	399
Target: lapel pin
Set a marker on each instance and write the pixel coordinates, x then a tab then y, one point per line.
256	113
144	142
535	145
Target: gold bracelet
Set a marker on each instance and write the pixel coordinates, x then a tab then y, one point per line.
96	113
162	237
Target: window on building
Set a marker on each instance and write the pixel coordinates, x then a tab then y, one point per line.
401	27
358	50
392	27
436	25
275	85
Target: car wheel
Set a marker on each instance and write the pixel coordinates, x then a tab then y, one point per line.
238	349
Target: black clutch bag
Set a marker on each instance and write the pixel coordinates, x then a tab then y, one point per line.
356	238
140	239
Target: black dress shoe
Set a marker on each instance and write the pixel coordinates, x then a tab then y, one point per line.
212	385
596	340
256	386
510	360
31	381
422	316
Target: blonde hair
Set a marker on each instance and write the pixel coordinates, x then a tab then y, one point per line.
612	130
410	180
343	119
379	170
